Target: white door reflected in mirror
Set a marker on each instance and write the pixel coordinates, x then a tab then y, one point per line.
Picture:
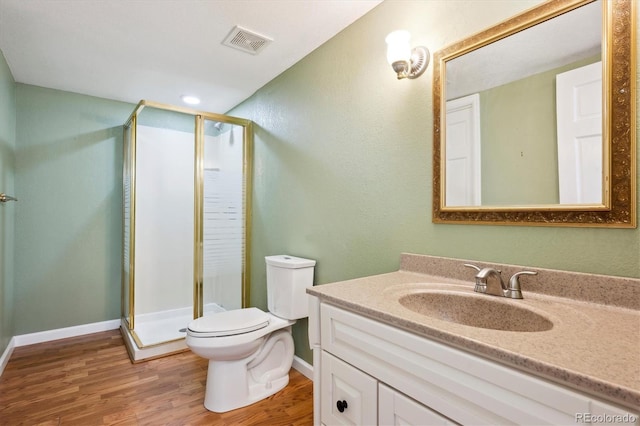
579	113
463	160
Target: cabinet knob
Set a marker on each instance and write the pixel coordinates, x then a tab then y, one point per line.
342	405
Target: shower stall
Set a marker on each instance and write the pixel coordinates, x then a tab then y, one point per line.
186	215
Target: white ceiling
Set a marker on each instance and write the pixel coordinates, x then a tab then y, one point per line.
158	50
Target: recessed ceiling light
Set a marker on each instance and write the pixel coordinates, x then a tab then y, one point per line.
191	100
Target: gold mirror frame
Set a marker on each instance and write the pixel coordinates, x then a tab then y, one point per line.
620	60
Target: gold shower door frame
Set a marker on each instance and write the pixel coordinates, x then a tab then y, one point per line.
198	243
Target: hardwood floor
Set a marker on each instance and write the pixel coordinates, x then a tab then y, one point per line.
89	380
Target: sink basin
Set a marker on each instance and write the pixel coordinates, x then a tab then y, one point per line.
475	310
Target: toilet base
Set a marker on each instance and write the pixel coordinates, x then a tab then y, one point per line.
223	403
236	384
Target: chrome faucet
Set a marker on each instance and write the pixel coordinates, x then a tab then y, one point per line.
487	286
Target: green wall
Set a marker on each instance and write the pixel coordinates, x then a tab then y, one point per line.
7	210
69	218
343	168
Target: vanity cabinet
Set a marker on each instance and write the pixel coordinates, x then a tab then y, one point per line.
374	373
355	398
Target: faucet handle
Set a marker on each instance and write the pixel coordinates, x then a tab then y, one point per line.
514	291
481	283
469	265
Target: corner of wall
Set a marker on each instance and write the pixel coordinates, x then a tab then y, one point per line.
7	215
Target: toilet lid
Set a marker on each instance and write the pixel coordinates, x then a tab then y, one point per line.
229	323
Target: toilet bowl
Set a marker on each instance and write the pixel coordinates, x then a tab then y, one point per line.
250	351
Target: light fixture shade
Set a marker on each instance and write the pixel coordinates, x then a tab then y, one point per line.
398	46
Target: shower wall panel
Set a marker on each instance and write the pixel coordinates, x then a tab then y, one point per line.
164	220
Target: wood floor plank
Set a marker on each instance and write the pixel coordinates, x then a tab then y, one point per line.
89	380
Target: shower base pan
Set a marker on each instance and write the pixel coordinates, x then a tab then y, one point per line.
160	333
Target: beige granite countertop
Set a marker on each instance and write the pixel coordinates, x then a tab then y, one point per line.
592	347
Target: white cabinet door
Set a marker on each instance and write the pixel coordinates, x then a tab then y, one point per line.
349	396
396	409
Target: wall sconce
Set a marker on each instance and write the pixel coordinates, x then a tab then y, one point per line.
406	62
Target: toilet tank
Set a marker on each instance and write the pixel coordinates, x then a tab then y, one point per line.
288	277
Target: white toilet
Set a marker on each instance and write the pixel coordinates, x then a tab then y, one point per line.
250	352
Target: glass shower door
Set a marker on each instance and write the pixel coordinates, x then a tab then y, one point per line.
223	230
127	172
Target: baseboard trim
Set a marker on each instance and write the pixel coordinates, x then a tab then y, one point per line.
4	359
63	333
303	367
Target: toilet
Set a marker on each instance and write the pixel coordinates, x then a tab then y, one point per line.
250	351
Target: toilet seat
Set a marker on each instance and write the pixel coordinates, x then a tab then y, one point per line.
229	323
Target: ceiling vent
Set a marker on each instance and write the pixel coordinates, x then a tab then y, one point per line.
245	40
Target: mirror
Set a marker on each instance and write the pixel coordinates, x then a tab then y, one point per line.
504	151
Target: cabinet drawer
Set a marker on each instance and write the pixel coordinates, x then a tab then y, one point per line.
395	408
356	391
